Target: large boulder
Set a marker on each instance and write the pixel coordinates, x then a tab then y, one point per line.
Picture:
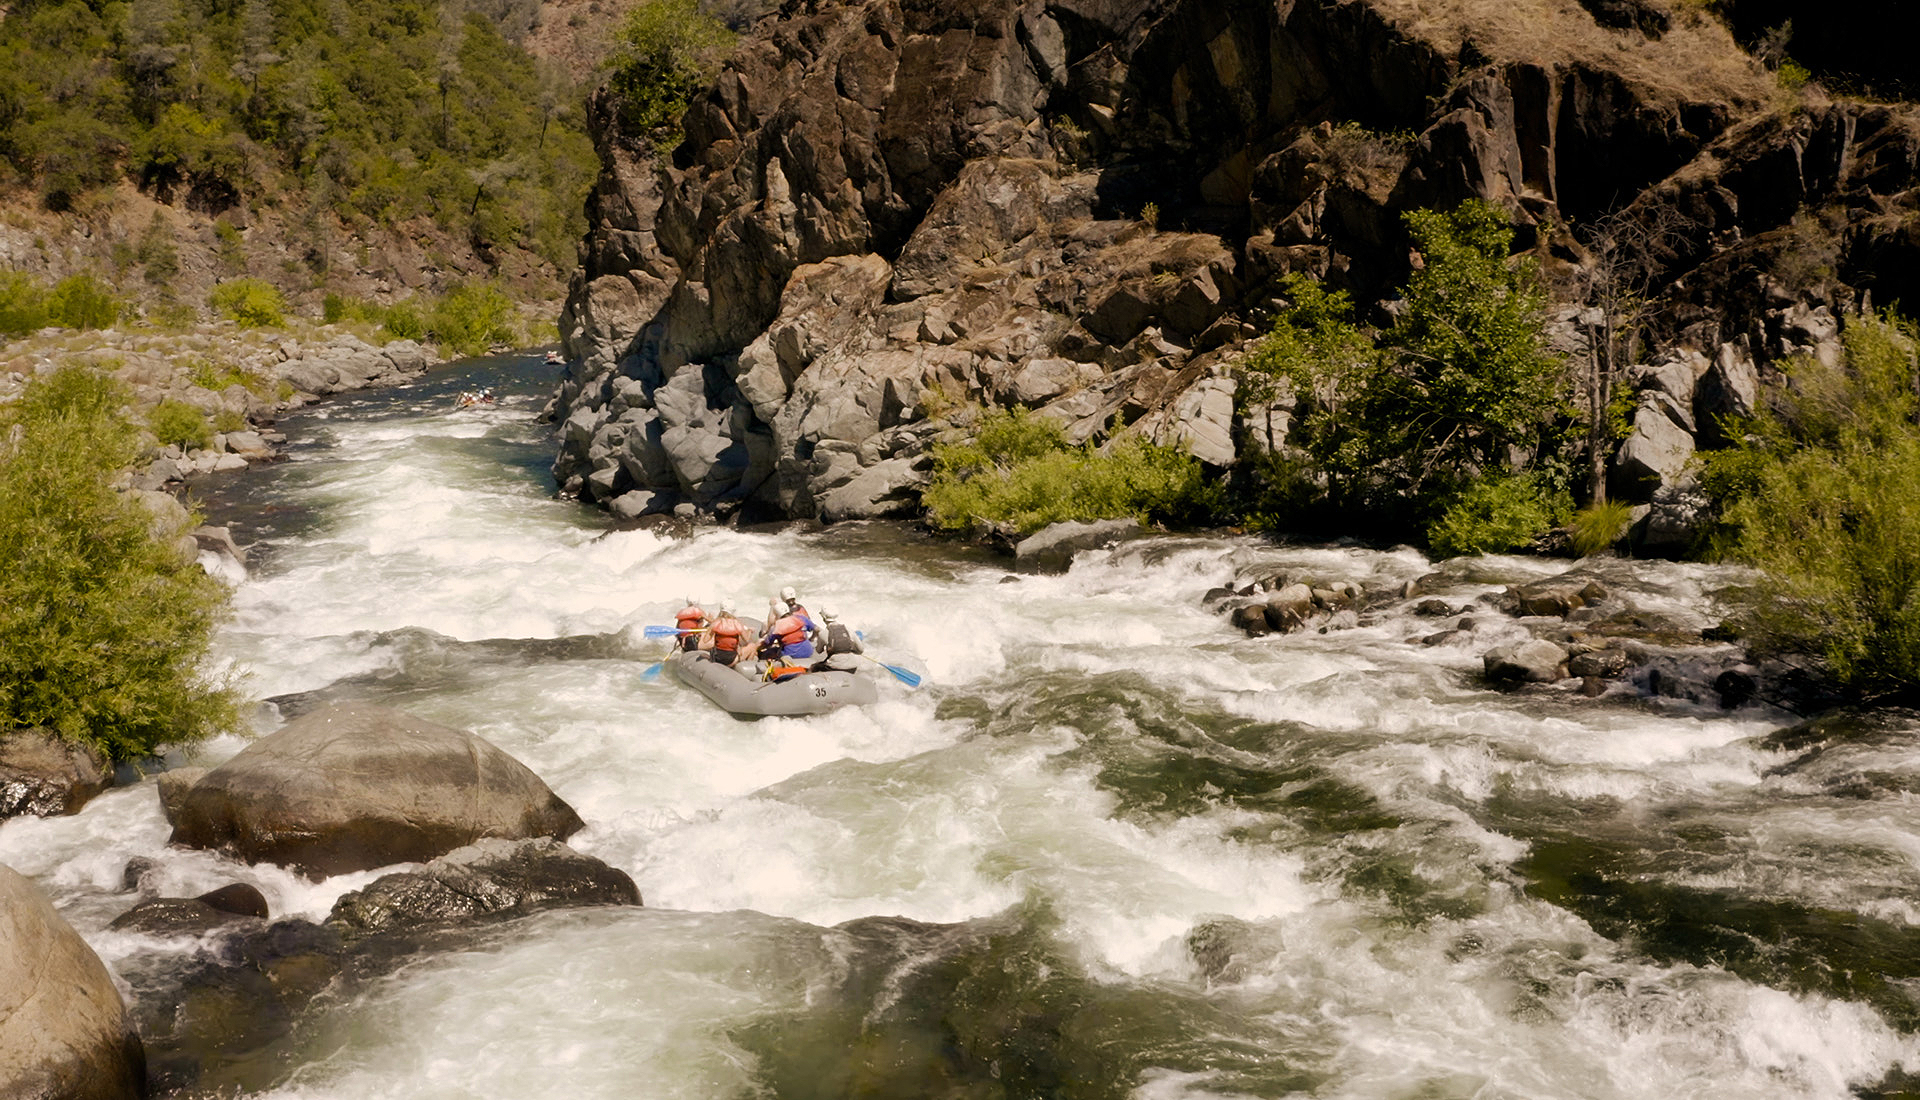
1051	549
64	1031
1532	662
351	787
492	877
44	776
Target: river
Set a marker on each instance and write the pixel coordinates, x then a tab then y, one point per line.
1109	848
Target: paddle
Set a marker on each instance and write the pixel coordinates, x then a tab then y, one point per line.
905	676
651	673
667	631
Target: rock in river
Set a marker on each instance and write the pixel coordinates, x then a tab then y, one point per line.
351	787
63	1029
487	878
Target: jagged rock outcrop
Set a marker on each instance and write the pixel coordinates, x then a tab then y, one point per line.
883	209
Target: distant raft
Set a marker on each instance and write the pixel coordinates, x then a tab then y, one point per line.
750	697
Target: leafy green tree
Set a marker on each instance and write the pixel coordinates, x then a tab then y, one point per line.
104	629
23	304
253	303
1388	429
82	301
1827	511
667	51
471	318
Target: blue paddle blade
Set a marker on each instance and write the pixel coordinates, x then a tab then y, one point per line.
663	632
911	679
652	671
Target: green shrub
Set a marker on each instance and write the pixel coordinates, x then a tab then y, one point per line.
1831	519
82	301
23	304
1393	427
1497	516
180	424
471	318
252	303
403	321
667	51
103	629
1019	471
1599	526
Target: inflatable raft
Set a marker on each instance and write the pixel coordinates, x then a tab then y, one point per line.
750	697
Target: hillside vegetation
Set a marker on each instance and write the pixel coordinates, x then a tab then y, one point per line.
348	115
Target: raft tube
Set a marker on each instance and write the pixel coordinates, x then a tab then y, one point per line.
750	697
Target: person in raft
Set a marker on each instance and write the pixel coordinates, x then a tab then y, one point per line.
728	633
692	622
836	640
786	645
788	603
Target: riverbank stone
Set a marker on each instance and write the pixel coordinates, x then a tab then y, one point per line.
1051	549
1533	662
192	916
64	1031
488	878
44	776
353	787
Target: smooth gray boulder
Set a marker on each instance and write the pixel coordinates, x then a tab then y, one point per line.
491	877
44	776
1051	549
1534	662
64	1031
351	787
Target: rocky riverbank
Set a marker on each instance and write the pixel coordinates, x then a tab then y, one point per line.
879	213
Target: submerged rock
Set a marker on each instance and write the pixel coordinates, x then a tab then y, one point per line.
351	787
189	916
485	879
64	1032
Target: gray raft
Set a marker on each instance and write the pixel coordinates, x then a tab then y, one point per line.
750	697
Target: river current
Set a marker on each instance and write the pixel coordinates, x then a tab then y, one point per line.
1109	848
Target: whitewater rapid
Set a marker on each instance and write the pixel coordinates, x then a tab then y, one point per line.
1296	866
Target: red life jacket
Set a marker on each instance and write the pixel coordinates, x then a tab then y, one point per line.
727	632
790	630
690	617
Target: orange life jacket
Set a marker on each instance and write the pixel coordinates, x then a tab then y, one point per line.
777	673
690	617
727	633
789	629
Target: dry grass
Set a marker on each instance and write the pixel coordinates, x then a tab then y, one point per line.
1696	59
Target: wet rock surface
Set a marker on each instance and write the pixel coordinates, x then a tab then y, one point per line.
350	787
490	878
44	776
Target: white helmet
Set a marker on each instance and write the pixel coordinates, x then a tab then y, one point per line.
726	607
789	595
827	615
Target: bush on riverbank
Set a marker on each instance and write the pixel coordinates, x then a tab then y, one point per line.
1019	471
1824	505
77	301
1393	431
103	628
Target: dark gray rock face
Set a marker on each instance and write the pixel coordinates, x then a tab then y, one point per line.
63	1029
485	879
347	788
44	776
1051	549
884	211
191	916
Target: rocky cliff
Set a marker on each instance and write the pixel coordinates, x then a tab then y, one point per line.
884	210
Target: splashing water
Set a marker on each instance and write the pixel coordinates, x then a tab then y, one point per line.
1111	848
